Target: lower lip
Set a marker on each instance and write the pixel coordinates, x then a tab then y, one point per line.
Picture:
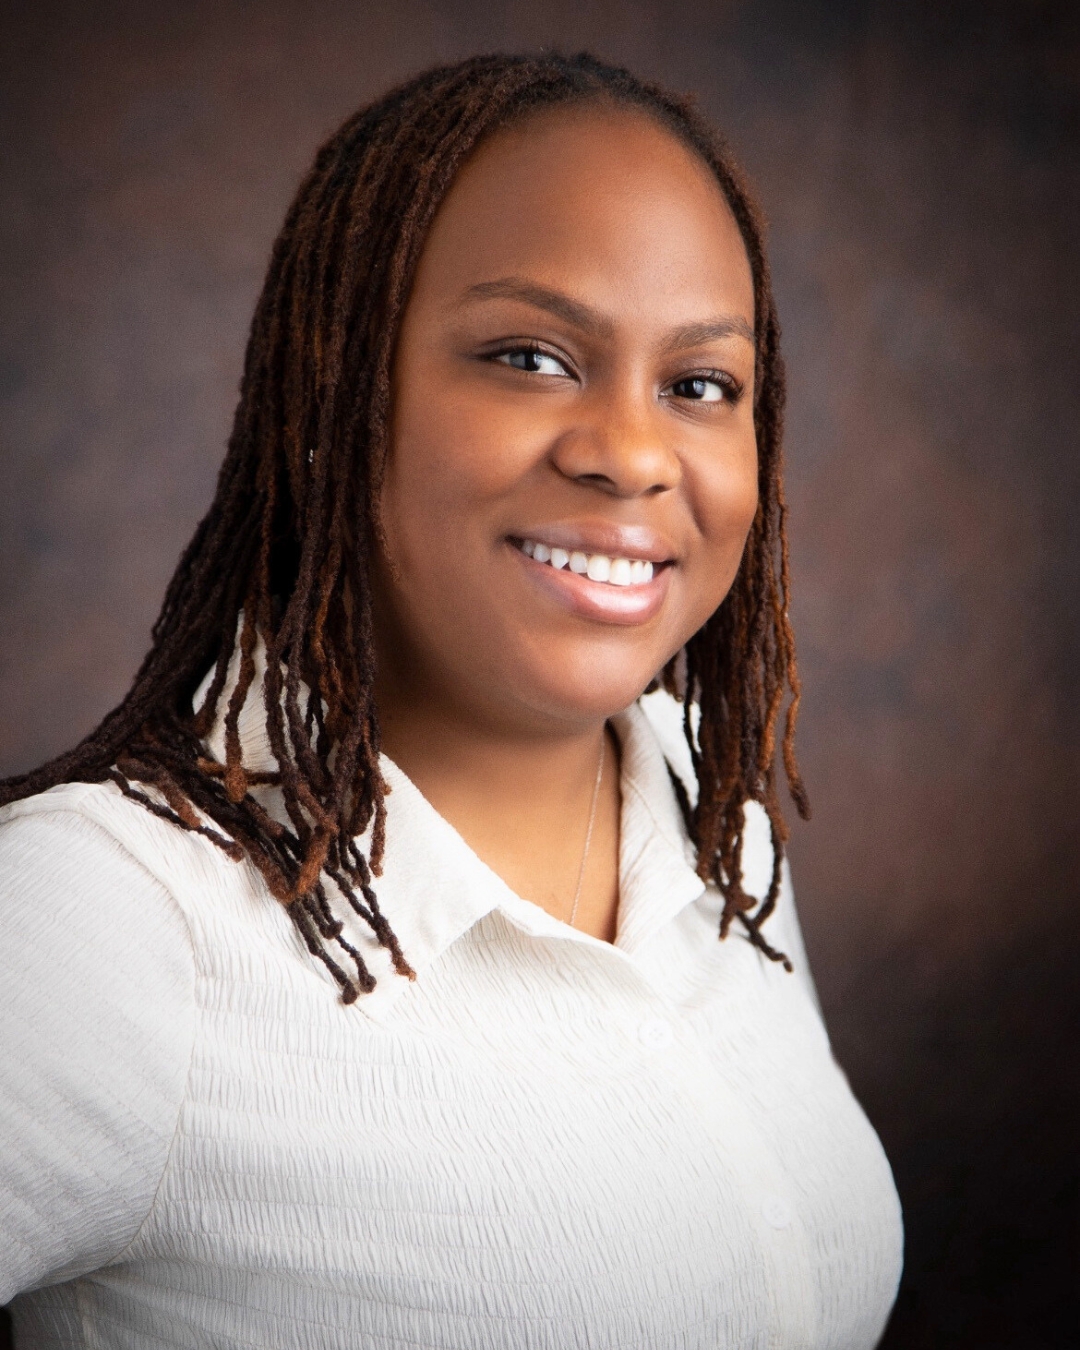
598	600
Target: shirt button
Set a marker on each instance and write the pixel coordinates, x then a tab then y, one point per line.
655	1034
776	1212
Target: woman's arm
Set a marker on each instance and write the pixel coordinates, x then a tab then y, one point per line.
97	973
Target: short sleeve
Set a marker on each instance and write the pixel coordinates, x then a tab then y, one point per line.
98	977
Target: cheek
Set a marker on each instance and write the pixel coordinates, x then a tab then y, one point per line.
725	499
456	459
430	479
452	456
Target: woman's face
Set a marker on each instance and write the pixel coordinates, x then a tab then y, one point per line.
572	412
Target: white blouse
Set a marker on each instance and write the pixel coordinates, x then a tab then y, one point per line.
545	1142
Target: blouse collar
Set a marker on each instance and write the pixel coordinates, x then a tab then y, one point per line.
434	888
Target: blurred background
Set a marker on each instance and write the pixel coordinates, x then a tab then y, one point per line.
920	165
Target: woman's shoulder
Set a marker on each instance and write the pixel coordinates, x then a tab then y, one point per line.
74	876
666	717
61	808
80	892
42	829
122	836
98	973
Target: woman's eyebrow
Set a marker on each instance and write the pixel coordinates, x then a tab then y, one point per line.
698	334
562	306
591	321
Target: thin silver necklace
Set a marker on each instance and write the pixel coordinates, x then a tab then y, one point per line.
588	832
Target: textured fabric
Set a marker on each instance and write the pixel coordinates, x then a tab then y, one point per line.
545	1141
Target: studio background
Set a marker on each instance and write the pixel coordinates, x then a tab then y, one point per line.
920	166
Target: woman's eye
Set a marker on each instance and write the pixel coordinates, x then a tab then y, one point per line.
703	389
532	360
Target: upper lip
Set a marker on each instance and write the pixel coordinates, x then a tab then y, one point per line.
614	541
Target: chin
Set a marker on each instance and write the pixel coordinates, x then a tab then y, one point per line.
593	693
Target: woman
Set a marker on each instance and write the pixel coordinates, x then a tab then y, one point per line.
507	454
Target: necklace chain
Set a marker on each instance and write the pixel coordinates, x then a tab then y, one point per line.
588	832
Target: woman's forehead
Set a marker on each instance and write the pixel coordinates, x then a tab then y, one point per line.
592	197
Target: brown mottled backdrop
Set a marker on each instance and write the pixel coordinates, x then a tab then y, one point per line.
920	164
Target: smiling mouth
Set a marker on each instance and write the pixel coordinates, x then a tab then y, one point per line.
596	566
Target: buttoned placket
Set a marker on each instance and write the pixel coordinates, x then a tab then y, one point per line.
667	1043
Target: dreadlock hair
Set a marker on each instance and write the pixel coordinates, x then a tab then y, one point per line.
284	551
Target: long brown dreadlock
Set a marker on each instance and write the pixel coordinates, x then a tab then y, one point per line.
283	553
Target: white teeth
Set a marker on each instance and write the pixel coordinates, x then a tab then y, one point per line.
599	568
596	566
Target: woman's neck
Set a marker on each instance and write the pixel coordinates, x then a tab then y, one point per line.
524	803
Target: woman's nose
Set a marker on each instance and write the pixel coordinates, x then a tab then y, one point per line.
621	446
